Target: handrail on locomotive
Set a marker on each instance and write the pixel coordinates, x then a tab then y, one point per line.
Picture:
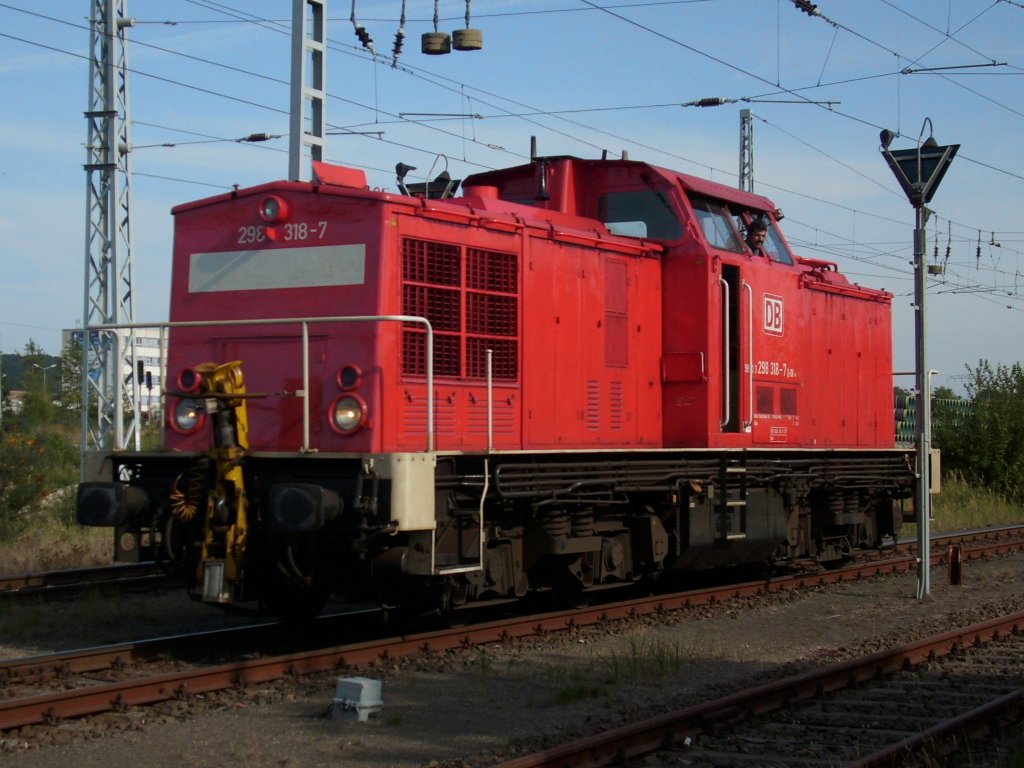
303	394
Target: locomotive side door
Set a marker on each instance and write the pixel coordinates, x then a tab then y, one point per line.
774	348
736	321
760	370
734	297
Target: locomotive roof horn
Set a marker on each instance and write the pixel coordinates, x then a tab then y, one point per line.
542	183
443	185
401	170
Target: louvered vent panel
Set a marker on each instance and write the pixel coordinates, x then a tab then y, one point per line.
593	405
424	261
444	417
504	418
491	315
470	313
504	359
491	271
616	408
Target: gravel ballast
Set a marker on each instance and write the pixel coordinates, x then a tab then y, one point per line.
477	706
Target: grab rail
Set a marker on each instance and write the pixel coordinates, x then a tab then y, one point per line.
725	352
305	322
749	421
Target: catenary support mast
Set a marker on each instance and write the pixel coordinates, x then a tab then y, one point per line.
109	383
746	151
309	86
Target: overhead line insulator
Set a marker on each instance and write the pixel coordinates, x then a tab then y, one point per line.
807	7
711	101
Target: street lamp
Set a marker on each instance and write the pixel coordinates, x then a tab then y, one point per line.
919	171
44	369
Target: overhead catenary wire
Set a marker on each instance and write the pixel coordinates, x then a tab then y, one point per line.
284	29
223	8
652	147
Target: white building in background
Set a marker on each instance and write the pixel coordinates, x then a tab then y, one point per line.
150	359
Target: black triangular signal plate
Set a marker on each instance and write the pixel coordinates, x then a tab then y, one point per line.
920	170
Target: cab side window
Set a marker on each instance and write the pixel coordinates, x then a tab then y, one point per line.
717	225
773	245
639	213
776	248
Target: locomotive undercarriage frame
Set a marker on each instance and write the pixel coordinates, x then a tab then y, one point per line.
506	524
589	522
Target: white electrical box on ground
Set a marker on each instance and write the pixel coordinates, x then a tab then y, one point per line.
356	698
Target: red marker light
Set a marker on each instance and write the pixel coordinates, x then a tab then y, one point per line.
274	209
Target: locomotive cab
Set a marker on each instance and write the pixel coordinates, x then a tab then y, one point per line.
733	372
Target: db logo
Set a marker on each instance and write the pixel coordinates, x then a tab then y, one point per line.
773	314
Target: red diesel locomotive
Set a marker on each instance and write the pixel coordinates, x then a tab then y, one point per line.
575	375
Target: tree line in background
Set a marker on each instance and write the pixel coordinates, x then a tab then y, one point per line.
39	440
985	443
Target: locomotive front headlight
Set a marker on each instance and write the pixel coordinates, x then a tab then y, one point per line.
348	414
273	209
188	415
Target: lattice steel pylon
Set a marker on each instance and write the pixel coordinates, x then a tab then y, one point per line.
109	382
308	86
746	151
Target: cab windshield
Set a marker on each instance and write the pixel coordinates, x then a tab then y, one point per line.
717	224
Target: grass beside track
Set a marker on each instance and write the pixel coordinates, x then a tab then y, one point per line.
960	506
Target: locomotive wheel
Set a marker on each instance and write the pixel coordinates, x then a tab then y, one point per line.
180	549
294	589
568	589
836	563
289	601
422	605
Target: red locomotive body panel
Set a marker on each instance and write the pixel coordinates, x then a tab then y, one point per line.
566	315
229	265
745	360
595	339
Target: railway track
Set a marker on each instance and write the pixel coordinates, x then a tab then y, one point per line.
891	708
128	678
71	583
67	584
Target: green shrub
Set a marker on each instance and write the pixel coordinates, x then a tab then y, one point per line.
33	466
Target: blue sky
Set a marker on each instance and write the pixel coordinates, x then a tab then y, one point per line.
582	76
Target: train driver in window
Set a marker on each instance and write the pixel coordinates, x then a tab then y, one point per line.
757	231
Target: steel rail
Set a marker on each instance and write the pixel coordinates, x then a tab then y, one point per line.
978	720
68	584
648	736
135	576
73	576
76	703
